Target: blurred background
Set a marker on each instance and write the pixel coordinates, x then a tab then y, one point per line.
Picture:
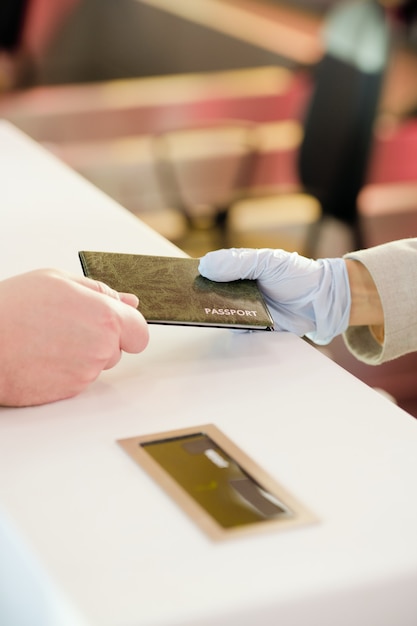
258	123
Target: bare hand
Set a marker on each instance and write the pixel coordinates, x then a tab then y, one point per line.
58	332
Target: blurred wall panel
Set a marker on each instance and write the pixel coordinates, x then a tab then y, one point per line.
107	39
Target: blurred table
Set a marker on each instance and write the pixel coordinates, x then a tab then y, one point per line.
87	538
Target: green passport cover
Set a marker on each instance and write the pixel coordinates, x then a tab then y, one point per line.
171	290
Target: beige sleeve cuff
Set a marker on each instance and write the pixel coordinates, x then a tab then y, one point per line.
393	267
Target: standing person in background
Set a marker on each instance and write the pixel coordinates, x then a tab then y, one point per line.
26	29
12	20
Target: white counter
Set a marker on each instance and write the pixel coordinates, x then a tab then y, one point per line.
87	538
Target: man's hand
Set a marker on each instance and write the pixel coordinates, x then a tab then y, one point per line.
58	332
305	297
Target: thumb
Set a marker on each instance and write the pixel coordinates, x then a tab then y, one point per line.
96	285
130	299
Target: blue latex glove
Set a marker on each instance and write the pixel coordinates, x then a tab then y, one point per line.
304	296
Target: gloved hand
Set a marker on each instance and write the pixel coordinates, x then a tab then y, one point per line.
304	296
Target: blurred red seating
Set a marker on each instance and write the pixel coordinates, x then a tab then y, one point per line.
394	153
387	204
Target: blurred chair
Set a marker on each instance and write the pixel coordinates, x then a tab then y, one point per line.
205	164
203	169
337	135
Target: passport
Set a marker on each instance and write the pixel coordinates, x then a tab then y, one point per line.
172	291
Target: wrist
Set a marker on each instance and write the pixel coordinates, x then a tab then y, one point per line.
378	333
366	308
330	300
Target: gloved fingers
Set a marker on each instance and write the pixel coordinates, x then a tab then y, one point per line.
284	276
240	263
